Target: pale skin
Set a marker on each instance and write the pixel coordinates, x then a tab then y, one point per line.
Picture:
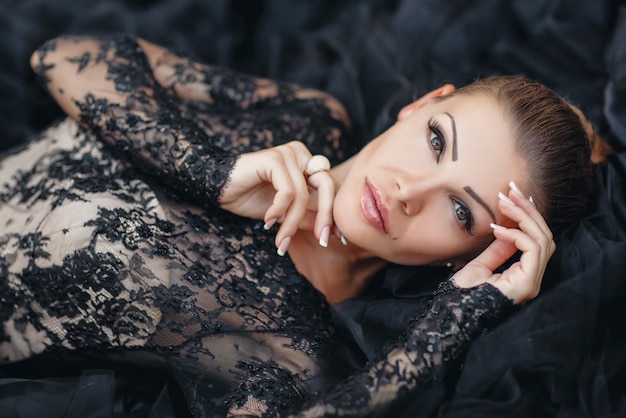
419	192
418	189
423	192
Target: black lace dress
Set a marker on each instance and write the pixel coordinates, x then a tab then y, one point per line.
112	241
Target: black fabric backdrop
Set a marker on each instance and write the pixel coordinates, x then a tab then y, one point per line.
563	354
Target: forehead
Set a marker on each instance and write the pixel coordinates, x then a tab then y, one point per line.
477	104
479	120
485	145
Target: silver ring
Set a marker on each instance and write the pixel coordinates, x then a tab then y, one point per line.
316	164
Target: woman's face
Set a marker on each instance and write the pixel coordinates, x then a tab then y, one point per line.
426	190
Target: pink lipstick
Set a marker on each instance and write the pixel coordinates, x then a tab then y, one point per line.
373	207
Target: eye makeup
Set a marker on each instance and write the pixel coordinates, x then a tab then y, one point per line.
437	143
455	155
480	201
436	138
463	215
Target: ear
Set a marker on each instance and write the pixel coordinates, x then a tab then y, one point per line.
411	107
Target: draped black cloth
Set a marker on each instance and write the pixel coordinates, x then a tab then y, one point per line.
563	354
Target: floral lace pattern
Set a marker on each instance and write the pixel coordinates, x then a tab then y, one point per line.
113	240
433	340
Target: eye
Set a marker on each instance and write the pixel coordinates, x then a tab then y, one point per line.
437	142
464	215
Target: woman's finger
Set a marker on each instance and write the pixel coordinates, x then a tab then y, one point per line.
527	218
496	254
481	268
290	203
326	189
277	173
522	280
532	237
521	200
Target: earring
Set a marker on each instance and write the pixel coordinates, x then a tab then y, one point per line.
446	264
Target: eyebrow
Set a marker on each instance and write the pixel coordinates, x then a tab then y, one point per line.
477	198
455	156
468	189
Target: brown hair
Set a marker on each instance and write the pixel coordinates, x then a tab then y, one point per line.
554	139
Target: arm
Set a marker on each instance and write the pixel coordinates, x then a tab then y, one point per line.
124	90
461	309
108	87
200	82
433	340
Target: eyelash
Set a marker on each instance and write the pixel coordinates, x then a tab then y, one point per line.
436	135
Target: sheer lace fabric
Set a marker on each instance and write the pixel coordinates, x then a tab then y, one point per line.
113	240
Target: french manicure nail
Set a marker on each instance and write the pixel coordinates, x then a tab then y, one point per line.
324	236
516	189
339	235
282	248
269	224
496	226
506	199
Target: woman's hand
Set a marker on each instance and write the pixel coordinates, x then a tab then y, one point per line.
271	185
522	280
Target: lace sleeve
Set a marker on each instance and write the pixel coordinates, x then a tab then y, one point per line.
200	82
434	339
190	130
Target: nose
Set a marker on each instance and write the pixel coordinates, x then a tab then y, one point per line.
413	192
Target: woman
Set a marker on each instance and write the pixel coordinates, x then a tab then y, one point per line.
153	243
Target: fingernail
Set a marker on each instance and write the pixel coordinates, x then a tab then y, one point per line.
269	224
496	226
530	198
343	239
506	199
324	236
339	235
516	189
282	248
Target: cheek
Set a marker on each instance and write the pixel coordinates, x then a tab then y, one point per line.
430	236
397	144
433	236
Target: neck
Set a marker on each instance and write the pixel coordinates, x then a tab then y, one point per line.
338	271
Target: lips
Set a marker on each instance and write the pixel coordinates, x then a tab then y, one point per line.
373	208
